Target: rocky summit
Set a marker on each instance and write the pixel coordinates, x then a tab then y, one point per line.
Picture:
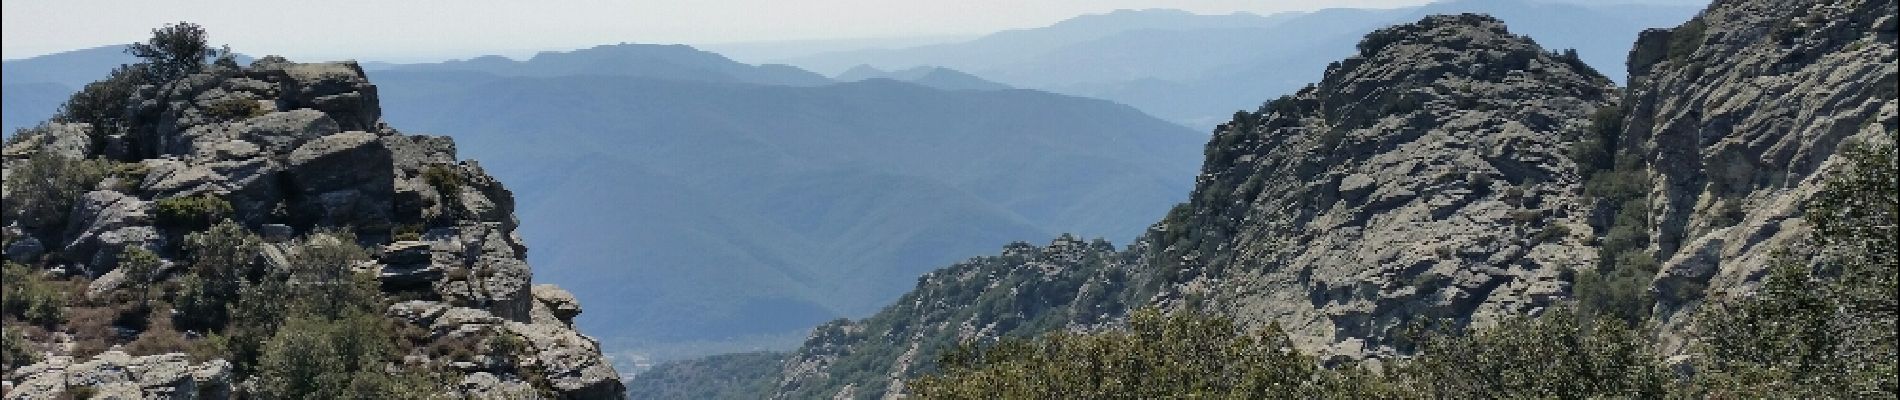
296	157
1426	177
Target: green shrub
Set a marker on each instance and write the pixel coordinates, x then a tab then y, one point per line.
103	103
173	51
42	191
221	261
1685	39
1158	356
30	297
192	213
234	109
14	351
1562	354
444	178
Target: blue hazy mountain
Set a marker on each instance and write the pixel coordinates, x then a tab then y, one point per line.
720	214
936	77
1197	69
670	62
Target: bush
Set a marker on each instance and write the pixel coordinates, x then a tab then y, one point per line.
175	50
41	192
1158	356
444	179
1562	354
14	351
222	259
141	272
103	103
233	109
29	296
346	357
192	213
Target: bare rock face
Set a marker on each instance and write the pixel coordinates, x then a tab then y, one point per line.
296	148
1426	177
1740	112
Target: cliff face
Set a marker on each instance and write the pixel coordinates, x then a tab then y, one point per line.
1739	114
299	150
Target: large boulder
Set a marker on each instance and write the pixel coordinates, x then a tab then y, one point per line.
104	223
558	301
572	362
486	270
339	89
344	179
282	132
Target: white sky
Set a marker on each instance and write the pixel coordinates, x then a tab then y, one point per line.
410	30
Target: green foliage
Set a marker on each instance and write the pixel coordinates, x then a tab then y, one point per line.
41	192
233	109
1825	330
192	213
103	103
341	358
1562	354
1158	356
141	272
1596	147
222	259
726	376
1685	39
13	349
29	296
173	51
444	179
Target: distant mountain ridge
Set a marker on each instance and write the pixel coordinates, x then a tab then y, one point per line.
1195	69
672	62
936	77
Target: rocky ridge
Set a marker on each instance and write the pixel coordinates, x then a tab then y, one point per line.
296	149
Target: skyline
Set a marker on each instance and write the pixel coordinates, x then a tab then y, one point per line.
398	32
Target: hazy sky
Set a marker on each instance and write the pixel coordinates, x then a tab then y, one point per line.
432	29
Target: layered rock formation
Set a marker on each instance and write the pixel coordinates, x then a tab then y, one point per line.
294	149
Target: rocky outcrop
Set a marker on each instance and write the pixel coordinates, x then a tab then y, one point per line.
1069	284
300	148
1739	113
116	375
1425	178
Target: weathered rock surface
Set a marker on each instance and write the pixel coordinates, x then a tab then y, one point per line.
296	149
1738	114
1427	177
116	375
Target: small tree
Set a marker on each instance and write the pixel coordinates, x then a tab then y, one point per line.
175	50
141	269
